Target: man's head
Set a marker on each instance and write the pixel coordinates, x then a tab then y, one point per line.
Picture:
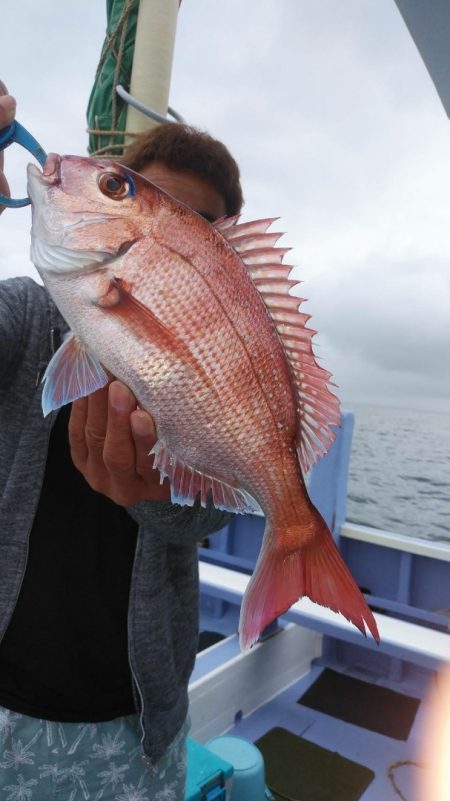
191	166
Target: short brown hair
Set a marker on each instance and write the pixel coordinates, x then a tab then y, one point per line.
181	147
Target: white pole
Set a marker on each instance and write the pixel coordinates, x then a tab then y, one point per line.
152	61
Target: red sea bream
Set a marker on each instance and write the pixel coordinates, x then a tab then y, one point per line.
198	321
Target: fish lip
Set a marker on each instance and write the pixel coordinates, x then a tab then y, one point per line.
33	169
51	172
35	182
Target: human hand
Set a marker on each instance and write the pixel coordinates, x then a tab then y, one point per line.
110	439
7	114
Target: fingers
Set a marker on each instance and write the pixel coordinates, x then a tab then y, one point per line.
130	436
87	432
96	419
77	438
4	186
118	451
110	442
7	106
7	114
144	437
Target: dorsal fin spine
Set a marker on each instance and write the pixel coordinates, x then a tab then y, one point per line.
319	407
270	271
264	255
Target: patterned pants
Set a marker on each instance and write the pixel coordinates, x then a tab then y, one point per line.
45	761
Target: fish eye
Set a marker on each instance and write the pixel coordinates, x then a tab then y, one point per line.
114	185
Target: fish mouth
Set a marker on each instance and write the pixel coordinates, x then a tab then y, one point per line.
40	180
50	175
48	252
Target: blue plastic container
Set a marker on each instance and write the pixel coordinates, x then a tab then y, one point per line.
248	778
208	774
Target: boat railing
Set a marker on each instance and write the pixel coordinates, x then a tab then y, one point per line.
400	542
401	639
405	579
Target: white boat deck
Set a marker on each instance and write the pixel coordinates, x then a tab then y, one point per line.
226	698
248	694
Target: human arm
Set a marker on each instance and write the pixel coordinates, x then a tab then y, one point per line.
180	525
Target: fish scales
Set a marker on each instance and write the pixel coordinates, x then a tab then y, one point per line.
165	302
245	417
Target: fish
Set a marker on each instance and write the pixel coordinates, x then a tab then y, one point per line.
198	320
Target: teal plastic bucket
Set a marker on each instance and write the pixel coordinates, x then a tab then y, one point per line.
248	779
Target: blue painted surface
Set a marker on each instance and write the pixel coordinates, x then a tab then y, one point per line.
419	581
327	485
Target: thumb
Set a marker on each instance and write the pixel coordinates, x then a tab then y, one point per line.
7	113
4	187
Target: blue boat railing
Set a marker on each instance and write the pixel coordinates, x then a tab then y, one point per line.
401	577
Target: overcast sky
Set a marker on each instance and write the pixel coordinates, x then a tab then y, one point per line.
338	130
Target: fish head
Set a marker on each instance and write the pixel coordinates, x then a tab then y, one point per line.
86	213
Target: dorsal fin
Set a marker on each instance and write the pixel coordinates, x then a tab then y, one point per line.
318	407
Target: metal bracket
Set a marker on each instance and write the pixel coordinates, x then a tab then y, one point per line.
146	109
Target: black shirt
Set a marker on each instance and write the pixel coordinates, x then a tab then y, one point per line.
64	655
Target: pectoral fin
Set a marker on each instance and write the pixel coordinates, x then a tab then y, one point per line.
72	373
135	315
121	302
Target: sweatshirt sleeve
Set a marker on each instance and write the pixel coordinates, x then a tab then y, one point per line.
21	301
180	525
13	299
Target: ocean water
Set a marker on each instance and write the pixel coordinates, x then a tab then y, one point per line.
400	471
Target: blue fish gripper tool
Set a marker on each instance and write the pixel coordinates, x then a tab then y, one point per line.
17	134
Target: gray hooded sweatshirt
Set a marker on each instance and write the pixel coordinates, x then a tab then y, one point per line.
163	603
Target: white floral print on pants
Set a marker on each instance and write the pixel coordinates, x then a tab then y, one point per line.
42	760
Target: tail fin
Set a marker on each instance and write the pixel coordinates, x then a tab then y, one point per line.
282	576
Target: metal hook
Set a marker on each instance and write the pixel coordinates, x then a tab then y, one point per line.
16	133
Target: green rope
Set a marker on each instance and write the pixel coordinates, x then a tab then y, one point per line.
106	111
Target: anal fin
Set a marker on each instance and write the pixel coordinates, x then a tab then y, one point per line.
187	484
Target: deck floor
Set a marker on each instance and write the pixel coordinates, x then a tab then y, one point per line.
375	751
